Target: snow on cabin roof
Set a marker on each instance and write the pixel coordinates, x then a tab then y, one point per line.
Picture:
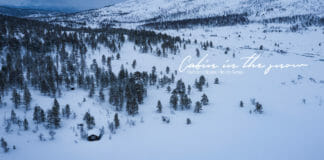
94	131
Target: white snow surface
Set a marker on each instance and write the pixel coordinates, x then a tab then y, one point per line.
288	128
134	11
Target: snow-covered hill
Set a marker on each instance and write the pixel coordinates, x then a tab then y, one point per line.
106	73
290	128
27	12
160	10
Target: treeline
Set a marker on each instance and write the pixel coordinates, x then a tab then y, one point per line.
49	57
304	20
224	20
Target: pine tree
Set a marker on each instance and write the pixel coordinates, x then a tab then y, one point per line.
188	121
167	69
258	108
118	56
174	101
90	121
216	81
185	102
241	104
15	98
53	115
132	106
39	115
101	95
67	111
116	120
169	89
197	52
4	145
13	117
198	107
103	59
180	88
92	90
134	64
26	124
189	89
202	80
0	101
204	100
27	98
159	107
199	84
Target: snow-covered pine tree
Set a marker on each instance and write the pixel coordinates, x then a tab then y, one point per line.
92	90
118	56
167	70
241	104
132	106
53	116
174	101
90	121
39	115
134	64
197	52
67	110
189	89
27	98
198	107
204	99
13	117
101	95
15	98
116	121
4	145
185	102
103	59
258	108
159	107
188	121
26	127
216	81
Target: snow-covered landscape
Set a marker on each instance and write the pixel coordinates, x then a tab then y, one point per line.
142	80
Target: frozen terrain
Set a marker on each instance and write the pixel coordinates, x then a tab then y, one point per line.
140	11
291	126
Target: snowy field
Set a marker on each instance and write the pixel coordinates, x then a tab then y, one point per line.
291	126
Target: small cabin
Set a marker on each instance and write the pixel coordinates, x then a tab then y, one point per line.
94	135
93	138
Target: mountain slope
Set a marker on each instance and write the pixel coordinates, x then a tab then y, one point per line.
26	12
134	11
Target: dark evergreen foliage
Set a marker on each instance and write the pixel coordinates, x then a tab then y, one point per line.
225	20
4	145
90	121
39	115
53	116
116	120
198	107
204	100
159	107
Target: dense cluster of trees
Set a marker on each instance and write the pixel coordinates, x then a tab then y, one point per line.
224	20
304	20
38	56
129	88
179	97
